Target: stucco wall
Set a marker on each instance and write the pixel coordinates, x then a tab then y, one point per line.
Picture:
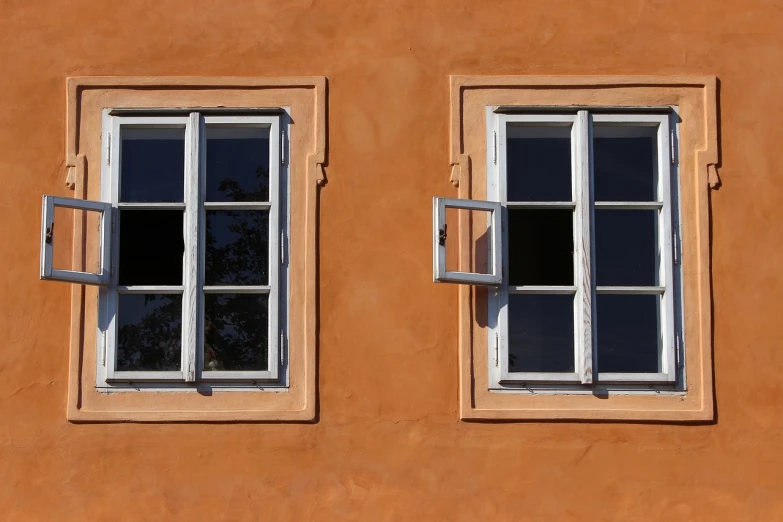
388	444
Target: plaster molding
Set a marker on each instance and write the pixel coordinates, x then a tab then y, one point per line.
298	402
696	97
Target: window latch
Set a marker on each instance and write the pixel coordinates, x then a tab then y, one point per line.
442	236
49	234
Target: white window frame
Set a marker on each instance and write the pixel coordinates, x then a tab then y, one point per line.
440	237
585	289
193	289
48	272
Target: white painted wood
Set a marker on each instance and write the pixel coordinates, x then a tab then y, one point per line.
49	236
629	205
622	124
151	206
495	275
523	377
583	302
190	256
530	289
139	289
109	298
630	290
541	204
607	377
237	205
234	289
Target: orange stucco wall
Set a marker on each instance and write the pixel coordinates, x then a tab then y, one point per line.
388	443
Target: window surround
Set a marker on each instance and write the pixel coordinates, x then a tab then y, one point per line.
694	99
305	100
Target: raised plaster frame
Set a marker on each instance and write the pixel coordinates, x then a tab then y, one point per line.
695	98
306	97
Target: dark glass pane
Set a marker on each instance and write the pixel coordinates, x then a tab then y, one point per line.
153	165
237	163
149	332
237	248
626	247
624	160
628	338
541	246
541	333
236	332
151	247
538	163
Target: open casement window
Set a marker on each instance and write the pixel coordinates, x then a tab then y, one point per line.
48	240
486	252
197	287
589	293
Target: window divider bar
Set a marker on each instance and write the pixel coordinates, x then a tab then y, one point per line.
631	290
630	205
237	205
582	219
150	289
541	204
190	272
530	289
151	206
237	289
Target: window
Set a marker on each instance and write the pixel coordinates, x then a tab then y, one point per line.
591	291
191	242
196	288
601	311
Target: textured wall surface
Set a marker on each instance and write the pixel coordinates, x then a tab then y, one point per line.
388	444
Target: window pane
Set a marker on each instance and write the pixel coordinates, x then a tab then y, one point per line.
149	332
236	332
624	162
628	333
237	163
153	164
626	247
541	333
151	247
541	246
538	163
237	247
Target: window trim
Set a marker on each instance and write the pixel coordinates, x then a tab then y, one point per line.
585	289
193	266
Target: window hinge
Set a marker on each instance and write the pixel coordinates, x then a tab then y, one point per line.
282	148
677	351
497	357
103	352
671	145
282	247
282	347
108	149
676	247
494	148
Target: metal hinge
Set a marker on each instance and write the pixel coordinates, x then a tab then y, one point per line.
282	347
103	353
676	247
677	351
671	144
497	357
282	148
494	147
108	149
282	247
